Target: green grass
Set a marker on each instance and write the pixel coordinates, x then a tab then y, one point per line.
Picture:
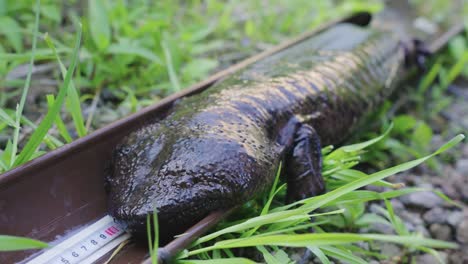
153	242
20	107
12	243
66	92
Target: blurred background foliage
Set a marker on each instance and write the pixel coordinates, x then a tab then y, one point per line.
135	52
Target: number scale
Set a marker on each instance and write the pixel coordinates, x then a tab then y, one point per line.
86	246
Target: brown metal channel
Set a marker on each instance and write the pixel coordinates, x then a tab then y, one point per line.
64	189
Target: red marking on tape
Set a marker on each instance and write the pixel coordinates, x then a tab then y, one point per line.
111	230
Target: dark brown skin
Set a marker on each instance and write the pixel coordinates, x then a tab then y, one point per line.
222	147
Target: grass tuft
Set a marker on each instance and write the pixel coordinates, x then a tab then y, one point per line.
27	84
38	135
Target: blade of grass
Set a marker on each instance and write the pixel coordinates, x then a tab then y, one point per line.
269	258
6	155
342	255
36	138
135	50
39	54
323	239
58	120
294	228
456	69
170	67
6	118
154	255
371	218
349	174
397	223
12	243
72	101
217	261
361	251
27	84
290	221
365	196
363	145
320	255
273	192
429	78
150	237
99	26
447	199
433	253
3	166
51	141
93	107
117	251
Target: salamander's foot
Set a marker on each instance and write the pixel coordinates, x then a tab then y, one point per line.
416	53
422	53
304	165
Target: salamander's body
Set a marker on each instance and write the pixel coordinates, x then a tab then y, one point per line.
222	147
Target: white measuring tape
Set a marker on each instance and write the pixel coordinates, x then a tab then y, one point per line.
87	246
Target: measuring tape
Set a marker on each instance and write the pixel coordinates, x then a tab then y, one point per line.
86	246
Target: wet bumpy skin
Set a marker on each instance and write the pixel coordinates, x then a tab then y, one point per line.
222	147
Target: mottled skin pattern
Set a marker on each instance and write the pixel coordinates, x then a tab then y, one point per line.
222	147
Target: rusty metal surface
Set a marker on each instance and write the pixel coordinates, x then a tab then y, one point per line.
64	189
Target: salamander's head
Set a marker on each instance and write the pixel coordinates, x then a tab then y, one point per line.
185	177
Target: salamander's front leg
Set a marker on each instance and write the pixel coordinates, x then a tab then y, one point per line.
304	165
